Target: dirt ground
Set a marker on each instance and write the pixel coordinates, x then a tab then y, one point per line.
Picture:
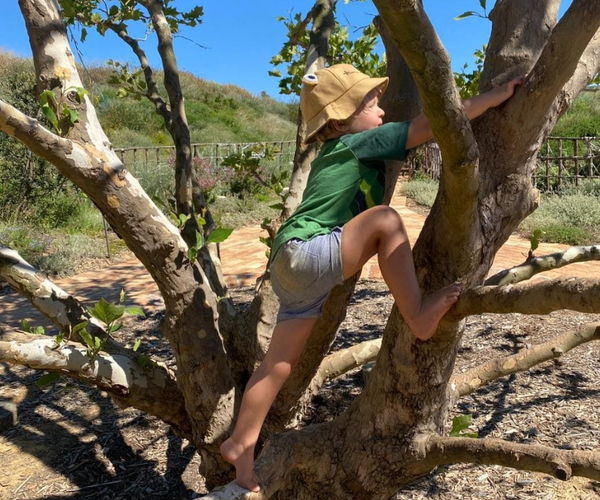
72	442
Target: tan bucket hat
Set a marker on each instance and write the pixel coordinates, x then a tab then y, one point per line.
334	93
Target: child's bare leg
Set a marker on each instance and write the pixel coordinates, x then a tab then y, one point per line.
286	346
380	230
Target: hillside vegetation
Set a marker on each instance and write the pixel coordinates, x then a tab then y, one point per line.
216	113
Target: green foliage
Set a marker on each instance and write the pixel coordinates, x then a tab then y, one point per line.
571	218
468	83
471	13
423	191
109	314
359	52
582	119
58	110
460	424
26	327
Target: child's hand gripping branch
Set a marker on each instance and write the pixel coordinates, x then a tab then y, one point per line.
340	224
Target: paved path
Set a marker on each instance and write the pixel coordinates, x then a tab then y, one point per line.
243	257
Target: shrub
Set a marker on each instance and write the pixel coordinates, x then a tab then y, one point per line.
423	191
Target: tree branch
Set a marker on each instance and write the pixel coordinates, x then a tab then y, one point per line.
468	382
520	31
152	389
153	94
340	362
562	464
536	265
555	66
52	301
576	294
454	213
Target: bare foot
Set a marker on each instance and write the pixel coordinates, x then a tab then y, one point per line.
242	458
433	308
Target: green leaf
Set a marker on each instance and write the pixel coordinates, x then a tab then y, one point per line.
87	338
115	328
219	235
83	34
277	206
39	330
460	423
59	338
483	3
50	115
201	221
192	254
80	327
47	379
26	326
465	15
136	346
106	312
535	239
135	311
114	10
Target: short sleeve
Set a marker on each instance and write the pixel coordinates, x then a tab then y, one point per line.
387	142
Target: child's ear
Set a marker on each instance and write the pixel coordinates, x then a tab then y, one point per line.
339	126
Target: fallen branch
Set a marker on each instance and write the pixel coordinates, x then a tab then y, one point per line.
562	464
537	265
576	294
152	389
481	375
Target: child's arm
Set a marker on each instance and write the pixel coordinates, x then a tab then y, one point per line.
420	130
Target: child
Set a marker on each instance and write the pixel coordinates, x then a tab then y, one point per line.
337	228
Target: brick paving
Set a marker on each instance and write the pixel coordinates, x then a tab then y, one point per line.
243	257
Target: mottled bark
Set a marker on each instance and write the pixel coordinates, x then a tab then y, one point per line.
536	265
87	159
152	389
52	301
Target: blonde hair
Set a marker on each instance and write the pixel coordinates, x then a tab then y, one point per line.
331	128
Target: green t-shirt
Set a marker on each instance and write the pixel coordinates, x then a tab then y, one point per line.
347	178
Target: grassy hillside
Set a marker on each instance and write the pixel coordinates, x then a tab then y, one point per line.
216	113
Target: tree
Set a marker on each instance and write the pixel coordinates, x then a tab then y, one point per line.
393	433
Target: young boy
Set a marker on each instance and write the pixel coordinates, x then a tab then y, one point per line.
337	228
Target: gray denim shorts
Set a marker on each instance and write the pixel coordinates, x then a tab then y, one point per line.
304	272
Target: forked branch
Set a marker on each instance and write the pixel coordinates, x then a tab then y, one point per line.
562	464
468	382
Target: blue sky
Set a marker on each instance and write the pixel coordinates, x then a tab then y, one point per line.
242	36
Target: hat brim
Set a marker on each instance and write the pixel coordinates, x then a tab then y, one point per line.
343	107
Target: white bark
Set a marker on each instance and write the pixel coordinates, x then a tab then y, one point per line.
536	265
